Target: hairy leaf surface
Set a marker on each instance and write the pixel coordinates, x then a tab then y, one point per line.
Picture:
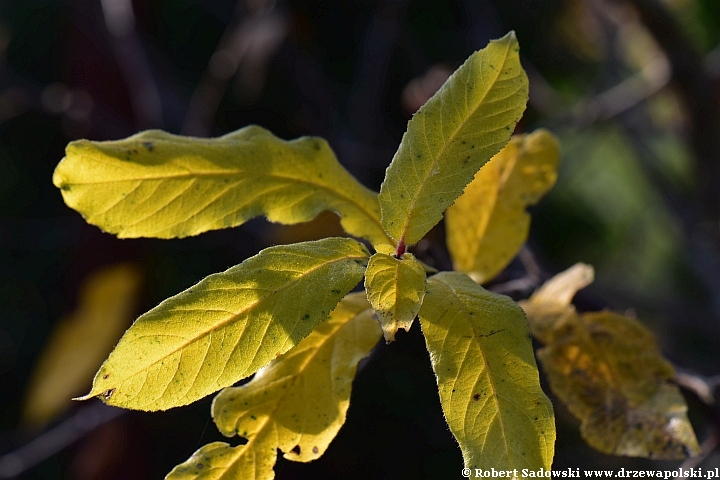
155	184
489	385
229	325
395	288
459	129
297	403
82	341
609	372
488	224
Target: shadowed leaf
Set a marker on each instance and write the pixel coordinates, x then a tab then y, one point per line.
296	404
395	288
460	128
609	372
488	224
155	184
229	325
489	386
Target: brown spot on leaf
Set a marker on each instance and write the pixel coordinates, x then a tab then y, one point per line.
315	450
108	393
476	397
106	376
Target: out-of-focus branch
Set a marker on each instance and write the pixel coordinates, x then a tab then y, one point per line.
133	63
696	89
255	32
57	438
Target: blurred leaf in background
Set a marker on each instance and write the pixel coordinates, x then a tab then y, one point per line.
81	341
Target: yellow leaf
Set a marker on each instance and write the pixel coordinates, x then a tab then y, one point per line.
229	325
609	372
459	129
297	404
488	224
155	184
395	288
551	302
220	461
489	386
81	341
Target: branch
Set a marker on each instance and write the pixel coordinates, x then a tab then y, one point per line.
57	438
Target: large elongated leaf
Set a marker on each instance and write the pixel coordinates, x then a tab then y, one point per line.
609	372
297	404
459	129
155	184
229	325
482	355
395	288
82	341
488	224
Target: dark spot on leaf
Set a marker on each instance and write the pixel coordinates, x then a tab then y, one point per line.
106	376
296	450
315	450
306	316
253	417
108	393
65	188
149	146
476	397
335	290
199	465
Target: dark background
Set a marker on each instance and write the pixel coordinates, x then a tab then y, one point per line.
629	86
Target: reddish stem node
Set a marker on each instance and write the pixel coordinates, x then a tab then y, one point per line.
400	249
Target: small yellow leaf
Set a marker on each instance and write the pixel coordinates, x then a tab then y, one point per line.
460	128
488	224
551	302
81	341
220	461
609	372
155	184
296	404
489	385
395	288
229	325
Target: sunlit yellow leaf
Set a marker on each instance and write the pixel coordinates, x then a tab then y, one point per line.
459	129
297	404
220	461
489	386
81	341
488	224
609	372
395	288
155	184
229	325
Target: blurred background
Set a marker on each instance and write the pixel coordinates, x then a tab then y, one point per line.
631	88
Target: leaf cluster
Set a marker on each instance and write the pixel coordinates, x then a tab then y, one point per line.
287	316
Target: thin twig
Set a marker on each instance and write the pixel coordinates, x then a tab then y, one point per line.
57	438
133	63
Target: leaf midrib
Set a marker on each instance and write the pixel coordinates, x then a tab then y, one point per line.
375	220
444	147
487	368
230	319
